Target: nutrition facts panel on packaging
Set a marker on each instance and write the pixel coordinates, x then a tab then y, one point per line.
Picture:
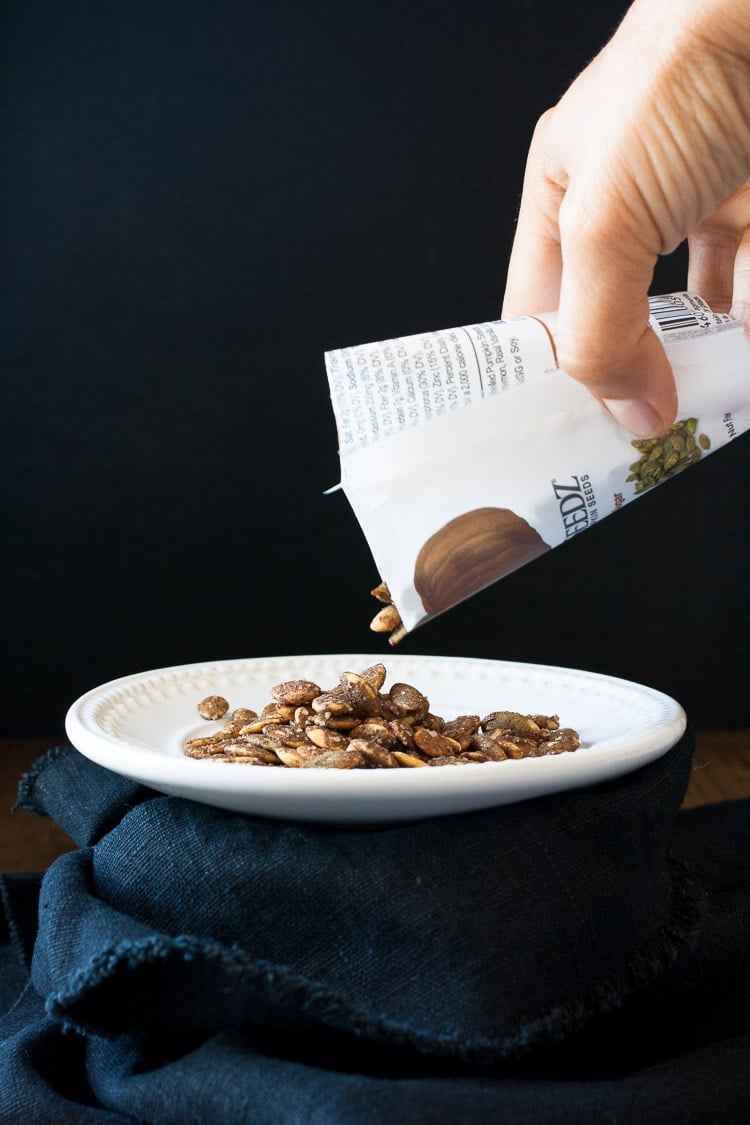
385	388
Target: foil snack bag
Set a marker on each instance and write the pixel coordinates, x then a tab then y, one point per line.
466	453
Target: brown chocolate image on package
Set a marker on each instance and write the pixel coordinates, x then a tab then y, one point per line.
470	552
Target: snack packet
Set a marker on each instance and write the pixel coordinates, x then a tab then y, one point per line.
466	453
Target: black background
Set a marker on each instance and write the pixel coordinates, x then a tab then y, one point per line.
198	200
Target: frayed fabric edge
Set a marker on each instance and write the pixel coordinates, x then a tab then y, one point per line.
16	941
28	781
306	1002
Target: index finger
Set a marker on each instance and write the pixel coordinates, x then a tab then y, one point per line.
603	337
535	266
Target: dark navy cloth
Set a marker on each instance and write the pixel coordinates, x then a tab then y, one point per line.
579	957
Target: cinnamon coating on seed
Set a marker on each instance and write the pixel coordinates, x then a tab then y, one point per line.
357	724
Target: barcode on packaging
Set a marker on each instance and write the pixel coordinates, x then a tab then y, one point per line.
683	314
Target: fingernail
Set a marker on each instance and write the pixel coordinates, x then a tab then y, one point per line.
637	416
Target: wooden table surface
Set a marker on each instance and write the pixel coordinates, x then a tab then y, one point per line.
721	772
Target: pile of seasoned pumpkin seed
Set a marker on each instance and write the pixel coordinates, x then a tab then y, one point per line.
665	456
359	725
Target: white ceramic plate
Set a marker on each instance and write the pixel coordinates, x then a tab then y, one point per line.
137	725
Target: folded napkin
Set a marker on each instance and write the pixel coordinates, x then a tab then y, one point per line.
581	956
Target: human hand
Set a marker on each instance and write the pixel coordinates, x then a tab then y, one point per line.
649	146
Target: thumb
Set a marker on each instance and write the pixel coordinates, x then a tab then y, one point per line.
603	338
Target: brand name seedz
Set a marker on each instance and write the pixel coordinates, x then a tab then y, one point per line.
576	503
